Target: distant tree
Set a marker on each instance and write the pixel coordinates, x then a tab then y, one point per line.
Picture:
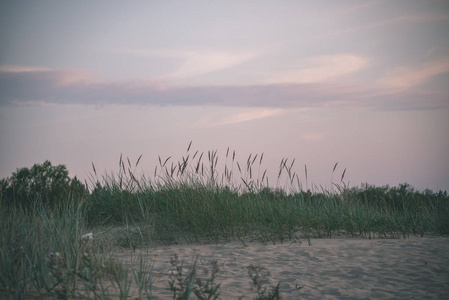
42	182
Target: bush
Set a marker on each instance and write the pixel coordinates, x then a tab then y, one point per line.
43	183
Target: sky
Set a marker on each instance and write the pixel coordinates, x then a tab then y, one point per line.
364	84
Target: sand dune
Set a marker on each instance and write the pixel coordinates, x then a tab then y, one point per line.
337	268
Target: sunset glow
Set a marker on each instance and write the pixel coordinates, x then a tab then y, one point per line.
361	83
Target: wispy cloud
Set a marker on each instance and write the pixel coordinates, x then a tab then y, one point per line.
408	77
239	117
313	136
196	62
322	68
22	69
72	86
422	17
203	63
415	18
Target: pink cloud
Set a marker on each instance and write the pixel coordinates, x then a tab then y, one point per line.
193	62
252	114
322	68
408	77
81	87
21	69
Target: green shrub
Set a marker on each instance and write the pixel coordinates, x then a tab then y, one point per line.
43	183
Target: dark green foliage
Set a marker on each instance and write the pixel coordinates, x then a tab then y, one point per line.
44	183
202	210
215	213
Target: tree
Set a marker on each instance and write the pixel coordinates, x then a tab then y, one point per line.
43	182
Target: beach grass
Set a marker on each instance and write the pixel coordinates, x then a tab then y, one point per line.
64	250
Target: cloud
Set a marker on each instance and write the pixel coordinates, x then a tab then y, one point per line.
416	18
203	63
312	136
323	68
196	62
408	77
240	117
74	86
422	17
21	69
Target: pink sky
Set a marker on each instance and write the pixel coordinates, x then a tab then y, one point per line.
364	84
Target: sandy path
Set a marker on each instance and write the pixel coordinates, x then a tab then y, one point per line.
337	268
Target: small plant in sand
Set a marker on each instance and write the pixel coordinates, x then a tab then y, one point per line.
259	278
208	290
182	285
142	277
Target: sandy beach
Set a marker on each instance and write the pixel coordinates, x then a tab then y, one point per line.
337	268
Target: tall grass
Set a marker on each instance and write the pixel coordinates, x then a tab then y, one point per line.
50	253
44	251
193	200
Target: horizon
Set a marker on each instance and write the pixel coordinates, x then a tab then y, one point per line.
361	84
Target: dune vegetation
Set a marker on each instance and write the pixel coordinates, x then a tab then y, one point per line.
58	234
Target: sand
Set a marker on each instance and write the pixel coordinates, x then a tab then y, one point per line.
337	268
